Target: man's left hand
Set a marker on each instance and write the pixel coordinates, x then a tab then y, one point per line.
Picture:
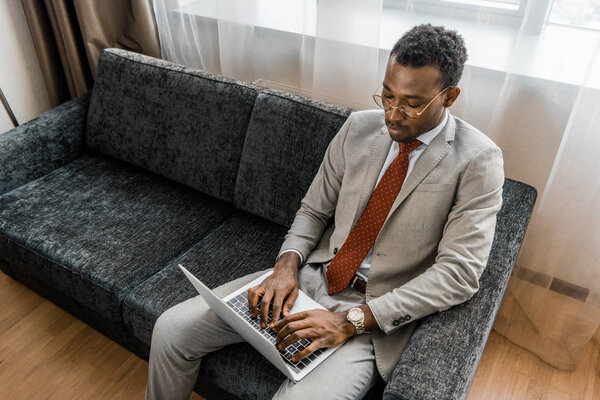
324	328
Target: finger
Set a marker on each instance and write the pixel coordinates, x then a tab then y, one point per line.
265	303
295	336
289	302
288	319
291	328
276	308
314	346
253	295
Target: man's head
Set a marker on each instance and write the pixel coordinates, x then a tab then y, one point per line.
424	62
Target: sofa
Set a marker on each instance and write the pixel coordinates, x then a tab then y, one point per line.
159	164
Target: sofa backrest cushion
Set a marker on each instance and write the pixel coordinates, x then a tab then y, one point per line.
285	144
180	123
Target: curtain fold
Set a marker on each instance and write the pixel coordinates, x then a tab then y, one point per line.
553	306
532	86
69	36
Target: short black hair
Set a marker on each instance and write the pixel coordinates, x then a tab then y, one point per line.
433	45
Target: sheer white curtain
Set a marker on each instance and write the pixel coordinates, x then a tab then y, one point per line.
531	84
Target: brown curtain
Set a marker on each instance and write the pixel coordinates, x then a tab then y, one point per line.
69	36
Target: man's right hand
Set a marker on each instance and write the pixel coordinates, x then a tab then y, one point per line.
279	288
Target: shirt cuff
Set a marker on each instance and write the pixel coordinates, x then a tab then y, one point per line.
287	251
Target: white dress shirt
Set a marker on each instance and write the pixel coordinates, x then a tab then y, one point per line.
413	156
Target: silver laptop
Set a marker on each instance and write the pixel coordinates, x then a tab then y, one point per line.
235	310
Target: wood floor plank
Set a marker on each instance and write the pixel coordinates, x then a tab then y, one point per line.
517	386
505	364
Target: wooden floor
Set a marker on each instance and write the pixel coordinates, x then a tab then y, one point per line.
45	353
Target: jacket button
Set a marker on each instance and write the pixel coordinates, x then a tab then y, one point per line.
407	317
335	251
396	322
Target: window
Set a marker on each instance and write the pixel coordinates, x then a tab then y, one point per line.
499	4
576	13
507	12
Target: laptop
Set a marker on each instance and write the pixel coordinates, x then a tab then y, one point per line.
235	310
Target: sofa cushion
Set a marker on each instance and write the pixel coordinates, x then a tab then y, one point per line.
241	245
181	123
242	371
285	144
97	227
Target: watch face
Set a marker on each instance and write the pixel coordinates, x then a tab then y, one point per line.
354	314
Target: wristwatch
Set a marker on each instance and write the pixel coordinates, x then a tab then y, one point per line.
357	318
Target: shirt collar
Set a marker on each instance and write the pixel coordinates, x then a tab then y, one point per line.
428	136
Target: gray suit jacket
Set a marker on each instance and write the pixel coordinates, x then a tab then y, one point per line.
436	240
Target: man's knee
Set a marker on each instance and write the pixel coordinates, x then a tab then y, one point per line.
174	328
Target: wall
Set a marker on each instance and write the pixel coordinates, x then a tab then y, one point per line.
20	76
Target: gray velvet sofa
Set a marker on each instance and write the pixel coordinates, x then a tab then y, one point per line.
102	196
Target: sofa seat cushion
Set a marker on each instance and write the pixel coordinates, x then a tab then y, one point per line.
97	227
242	371
241	245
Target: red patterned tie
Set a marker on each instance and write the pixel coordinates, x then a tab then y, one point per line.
346	262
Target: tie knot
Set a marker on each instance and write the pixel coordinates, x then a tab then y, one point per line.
410	146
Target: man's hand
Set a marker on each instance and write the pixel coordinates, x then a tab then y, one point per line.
324	328
280	288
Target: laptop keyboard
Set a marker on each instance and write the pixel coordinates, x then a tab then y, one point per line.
240	304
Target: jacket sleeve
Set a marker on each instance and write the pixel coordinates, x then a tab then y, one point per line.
463	250
318	205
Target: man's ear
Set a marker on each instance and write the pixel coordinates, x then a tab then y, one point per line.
451	96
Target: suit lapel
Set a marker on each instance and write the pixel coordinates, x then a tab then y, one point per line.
432	155
380	146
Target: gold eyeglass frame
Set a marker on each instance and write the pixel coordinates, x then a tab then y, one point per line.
401	109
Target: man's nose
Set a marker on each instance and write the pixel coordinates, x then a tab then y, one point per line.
395	115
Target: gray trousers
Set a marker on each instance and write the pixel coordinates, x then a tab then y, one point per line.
189	330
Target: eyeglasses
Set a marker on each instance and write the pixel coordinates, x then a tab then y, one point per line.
405	111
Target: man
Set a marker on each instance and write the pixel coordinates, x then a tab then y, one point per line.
414	193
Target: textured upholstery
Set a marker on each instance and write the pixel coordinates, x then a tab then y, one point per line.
97	227
441	358
181	123
239	246
242	371
286	140
43	144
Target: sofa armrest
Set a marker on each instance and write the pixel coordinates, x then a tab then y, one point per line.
442	356
43	144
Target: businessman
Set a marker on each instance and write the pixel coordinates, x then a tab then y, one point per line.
413	192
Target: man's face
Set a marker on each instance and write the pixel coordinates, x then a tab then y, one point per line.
414	87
